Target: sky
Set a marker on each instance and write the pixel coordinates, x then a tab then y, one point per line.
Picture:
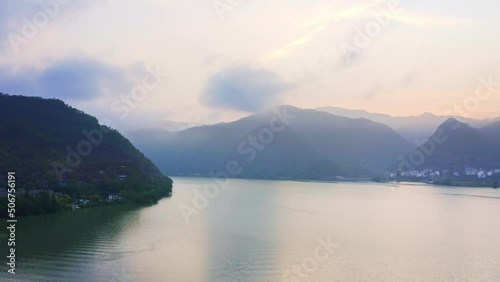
132	63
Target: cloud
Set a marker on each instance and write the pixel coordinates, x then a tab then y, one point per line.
244	88
73	78
314	25
10	11
374	90
363	13
422	20
16	17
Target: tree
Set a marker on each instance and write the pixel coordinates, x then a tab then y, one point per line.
95	198
64	200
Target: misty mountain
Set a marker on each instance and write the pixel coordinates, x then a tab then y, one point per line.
492	131
166	125
414	129
313	145
456	145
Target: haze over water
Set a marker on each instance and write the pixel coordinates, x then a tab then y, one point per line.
259	230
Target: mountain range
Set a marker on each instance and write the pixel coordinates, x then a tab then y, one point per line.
168	125
319	145
415	129
313	145
50	144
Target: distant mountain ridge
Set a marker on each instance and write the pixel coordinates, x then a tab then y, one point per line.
168	125
492	131
414	129
314	145
457	145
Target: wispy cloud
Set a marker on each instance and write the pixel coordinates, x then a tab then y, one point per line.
360	12
422	20
324	19
315	25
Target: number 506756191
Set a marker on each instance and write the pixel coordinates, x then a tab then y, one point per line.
11	182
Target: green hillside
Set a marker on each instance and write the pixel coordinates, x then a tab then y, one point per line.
52	146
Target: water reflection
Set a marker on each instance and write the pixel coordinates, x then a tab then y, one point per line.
62	246
258	230
242	233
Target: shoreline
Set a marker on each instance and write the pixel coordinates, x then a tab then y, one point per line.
92	206
361	180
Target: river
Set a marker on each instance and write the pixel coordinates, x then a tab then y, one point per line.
252	230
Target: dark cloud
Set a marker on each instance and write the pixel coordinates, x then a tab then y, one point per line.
244	88
72	78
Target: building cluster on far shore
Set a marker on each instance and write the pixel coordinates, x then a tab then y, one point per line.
467	172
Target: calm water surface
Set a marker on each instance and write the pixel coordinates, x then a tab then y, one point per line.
270	231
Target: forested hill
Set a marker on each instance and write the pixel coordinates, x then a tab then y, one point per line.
50	145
